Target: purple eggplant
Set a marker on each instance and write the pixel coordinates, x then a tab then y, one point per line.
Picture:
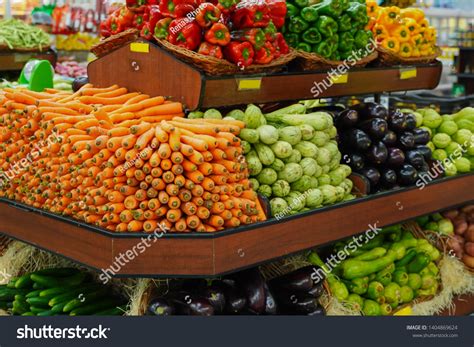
406	140
395	157
388	177
296	303
189	304
422	136
410	120
415	158
371	110
271	307
376	128
160	307
317	290
377	153
346	119
79	82
407	175
372	174
390	138
354	160
253	285
317	312
298	280
216	297
397	122
236	302
356	139
425	150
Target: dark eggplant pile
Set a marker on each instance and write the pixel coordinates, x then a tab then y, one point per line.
244	293
384	146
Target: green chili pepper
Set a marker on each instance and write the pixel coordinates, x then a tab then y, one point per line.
311	36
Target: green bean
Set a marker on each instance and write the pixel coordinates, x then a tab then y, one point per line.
16	34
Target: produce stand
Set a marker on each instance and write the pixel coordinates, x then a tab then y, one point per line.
204	255
145	68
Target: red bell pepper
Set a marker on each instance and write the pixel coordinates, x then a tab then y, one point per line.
255	36
184	33
226	6
270	31
265	54
116	25
218	34
155	16
177	8
251	14
207	15
136	5
281	47
104	27
239	53
211	50
146	32
161	28
277	12
140	19
126	16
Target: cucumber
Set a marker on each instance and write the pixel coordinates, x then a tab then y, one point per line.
9	293
45	313
37	286
52	292
12	282
50	281
20	297
34	293
96	307
116	311
58	308
85	300
28	314
20	307
73	293
24	282
57	272
37	310
37	301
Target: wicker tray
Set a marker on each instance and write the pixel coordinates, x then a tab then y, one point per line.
113	42
311	61
216	66
388	58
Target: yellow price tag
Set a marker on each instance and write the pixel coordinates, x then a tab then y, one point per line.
140	47
340	79
407	73
406	311
249	84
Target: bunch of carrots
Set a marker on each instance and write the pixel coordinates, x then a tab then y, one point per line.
123	161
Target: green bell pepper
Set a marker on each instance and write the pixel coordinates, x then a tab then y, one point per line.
310	14
346	42
303	46
358	13
297	25
344	22
291	10
345	4
292	39
311	36
326	26
323	49
330	8
333	41
301	3
361	38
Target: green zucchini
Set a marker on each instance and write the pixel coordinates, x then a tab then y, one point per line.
51	282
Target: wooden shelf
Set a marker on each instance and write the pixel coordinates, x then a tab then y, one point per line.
207	255
157	72
15	61
463	306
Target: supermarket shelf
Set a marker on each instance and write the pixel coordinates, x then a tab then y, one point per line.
197	254
447	13
15	61
463	305
156	72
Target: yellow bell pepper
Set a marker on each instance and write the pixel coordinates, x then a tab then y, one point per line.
424	24
416	39
414	13
380	32
412	26
416	52
406	50
401	33
372	7
391	15
391	44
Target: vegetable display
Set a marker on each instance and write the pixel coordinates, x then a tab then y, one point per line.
123	161
333	29
59	291
405	32
16	34
452	138
243	293
292	158
243	32
458	226
386	147
389	270
71	69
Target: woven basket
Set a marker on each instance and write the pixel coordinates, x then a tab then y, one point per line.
311	61
216	66
115	41
4	242
388	58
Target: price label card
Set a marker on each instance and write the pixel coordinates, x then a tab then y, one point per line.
340	79
249	83
407	73
140	47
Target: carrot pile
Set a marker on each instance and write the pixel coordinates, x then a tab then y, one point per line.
123	161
